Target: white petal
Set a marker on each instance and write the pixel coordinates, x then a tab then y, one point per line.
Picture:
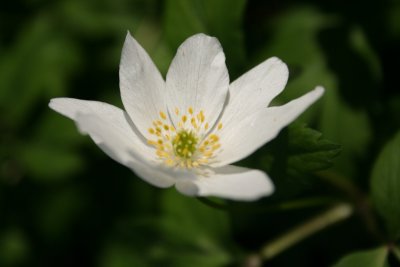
230	182
112	141
111	129
255	89
198	78
114	119
141	84
242	137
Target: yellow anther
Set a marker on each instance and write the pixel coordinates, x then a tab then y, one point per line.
195	164
166	127
190	110
206	126
214	138
193	121
161	153
160	141
216	146
177	111
184	118
219	126
163	116
159	122
202	161
201	116
151	142
158	129
151	131
169	162
208	154
188	164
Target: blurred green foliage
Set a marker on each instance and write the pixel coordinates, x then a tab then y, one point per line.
64	203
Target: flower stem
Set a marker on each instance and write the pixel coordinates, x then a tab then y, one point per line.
360	200
396	252
333	215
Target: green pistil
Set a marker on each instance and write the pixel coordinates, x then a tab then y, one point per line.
184	143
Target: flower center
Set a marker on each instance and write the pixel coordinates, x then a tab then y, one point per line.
186	144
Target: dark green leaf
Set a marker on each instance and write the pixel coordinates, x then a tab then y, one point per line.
309	151
369	258
385	185
185	18
14	247
396	252
198	232
296	35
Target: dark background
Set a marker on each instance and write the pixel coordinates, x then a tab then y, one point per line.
64	203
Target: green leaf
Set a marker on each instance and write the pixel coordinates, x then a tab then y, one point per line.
297	152
37	66
396	252
14	247
347	126
198	232
185	18
369	258
295	39
309	151
385	185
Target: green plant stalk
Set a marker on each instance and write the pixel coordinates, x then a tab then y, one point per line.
360	200
396	252
333	215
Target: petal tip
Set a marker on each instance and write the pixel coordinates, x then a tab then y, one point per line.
56	103
319	91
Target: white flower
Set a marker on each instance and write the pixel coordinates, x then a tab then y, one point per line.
187	130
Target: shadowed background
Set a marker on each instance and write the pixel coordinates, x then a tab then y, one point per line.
65	203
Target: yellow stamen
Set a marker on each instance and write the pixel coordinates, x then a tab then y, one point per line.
163	116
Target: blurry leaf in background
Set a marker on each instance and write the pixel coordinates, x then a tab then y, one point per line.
58	211
187	232
99	18
369	258
36	68
200	233
347	126
120	255
14	247
385	185
185	18
297	30
360	45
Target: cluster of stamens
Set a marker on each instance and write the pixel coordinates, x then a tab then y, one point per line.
186	144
